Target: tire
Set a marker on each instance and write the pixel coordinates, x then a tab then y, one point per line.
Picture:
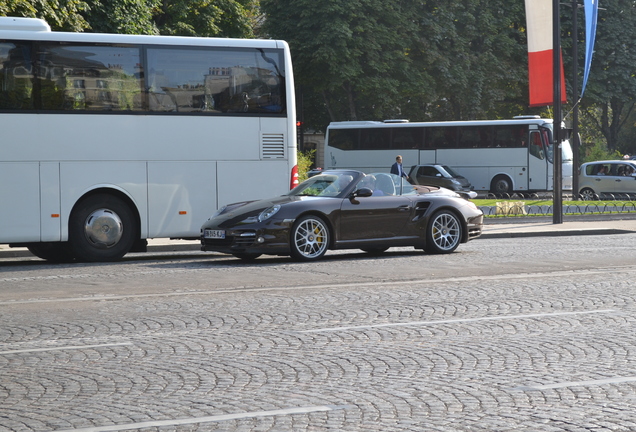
102	227
247	256
501	185
53	252
444	233
309	239
375	251
588	194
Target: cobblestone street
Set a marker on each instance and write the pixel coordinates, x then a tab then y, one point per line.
175	345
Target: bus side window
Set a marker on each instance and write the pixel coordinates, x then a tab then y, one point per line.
102	78
16	76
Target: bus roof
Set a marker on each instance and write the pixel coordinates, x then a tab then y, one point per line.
393	124
38	30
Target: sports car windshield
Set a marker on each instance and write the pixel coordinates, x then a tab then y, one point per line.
323	185
333	184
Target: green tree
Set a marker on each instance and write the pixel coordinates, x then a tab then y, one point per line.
221	18
475	51
122	16
610	95
427	60
353	54
61	15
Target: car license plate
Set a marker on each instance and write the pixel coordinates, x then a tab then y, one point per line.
214	234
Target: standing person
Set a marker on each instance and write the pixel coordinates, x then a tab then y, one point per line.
397	169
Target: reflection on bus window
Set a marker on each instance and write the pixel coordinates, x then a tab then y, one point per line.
214	80
88	77
16	76
58	76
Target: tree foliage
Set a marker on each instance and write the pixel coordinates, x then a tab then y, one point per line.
62	15
351	56
610	95
427	60
226	18
475	52
220	18
122	16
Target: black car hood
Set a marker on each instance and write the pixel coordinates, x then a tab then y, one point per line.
238	212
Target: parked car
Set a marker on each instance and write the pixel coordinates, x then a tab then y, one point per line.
314	171
439	175
344	209
607	179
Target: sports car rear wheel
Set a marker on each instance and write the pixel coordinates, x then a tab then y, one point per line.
444	233
309	238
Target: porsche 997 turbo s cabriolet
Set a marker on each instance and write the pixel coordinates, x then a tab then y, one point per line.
345	209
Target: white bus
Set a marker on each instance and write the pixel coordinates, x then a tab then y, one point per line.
108	140
500	156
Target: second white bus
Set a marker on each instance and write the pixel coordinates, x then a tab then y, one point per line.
500	156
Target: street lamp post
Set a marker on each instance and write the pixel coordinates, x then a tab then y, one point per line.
557	201
575	110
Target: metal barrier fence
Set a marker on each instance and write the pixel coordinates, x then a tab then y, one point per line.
515	205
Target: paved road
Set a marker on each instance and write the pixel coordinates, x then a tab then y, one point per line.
508	334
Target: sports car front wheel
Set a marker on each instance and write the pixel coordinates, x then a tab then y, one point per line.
443	233
309	238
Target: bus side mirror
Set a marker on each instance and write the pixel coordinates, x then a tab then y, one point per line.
566	133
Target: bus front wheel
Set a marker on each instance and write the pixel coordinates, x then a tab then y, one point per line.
101	228
501	185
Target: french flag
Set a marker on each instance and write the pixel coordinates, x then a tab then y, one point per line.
540	53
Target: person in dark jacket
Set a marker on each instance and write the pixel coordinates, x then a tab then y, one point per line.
397	169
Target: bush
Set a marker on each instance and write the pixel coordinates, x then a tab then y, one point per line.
305	160
599	151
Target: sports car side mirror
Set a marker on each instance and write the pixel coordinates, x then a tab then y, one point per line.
363	192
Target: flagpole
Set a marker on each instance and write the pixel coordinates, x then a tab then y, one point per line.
557	200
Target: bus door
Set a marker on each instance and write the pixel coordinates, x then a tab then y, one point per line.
537	162
427	157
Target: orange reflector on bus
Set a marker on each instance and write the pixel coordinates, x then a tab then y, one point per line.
183	212
55	215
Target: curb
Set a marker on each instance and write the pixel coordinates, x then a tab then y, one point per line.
559	233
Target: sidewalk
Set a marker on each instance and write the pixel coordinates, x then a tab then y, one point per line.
493	228
544	226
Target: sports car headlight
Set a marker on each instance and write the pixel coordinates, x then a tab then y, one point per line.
268	213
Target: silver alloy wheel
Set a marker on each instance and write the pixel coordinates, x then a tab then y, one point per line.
588	194
311	238
446	231
103	228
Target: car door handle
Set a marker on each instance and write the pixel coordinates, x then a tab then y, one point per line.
404	208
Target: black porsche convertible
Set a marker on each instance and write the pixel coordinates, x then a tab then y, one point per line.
344	209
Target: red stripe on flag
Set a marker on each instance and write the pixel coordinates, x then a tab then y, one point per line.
540	77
